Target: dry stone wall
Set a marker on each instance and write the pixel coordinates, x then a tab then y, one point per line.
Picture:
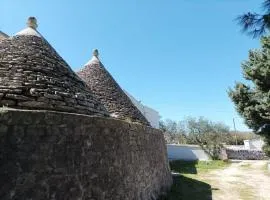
52	155
34	76
243	154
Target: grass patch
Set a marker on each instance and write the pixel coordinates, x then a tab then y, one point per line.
189	185
194	167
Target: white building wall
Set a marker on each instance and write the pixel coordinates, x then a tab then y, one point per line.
186	152
150	114
256	144
247	144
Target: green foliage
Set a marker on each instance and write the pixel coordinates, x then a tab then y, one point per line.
174	131
266	147
184	131
256	24
253	102
239	137
209	135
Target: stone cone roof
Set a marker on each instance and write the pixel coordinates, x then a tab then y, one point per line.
3	36
34	76
106	89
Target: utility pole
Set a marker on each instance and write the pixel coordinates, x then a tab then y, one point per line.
234	132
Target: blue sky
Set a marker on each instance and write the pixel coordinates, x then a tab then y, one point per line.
177	56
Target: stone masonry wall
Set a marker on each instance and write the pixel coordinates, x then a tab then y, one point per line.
52	155
245	154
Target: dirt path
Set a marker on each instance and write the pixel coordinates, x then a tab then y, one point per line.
243	180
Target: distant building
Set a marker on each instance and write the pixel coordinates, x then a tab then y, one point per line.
150	114
254	144
3	35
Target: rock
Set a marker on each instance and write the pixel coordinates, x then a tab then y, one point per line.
33	104
18	97
53	96
7	103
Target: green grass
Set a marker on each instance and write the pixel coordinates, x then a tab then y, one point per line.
187	186
194	167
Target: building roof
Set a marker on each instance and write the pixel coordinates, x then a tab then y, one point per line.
3	36
34	76
109	92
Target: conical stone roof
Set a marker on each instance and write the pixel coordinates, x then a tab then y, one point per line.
3	36
106	89
34	76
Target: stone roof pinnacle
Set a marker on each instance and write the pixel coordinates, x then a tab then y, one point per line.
32	22
30	30
95	53
95	57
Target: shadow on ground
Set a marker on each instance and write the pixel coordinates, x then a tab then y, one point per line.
185	188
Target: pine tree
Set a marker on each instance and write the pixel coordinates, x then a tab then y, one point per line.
253	101
256	24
